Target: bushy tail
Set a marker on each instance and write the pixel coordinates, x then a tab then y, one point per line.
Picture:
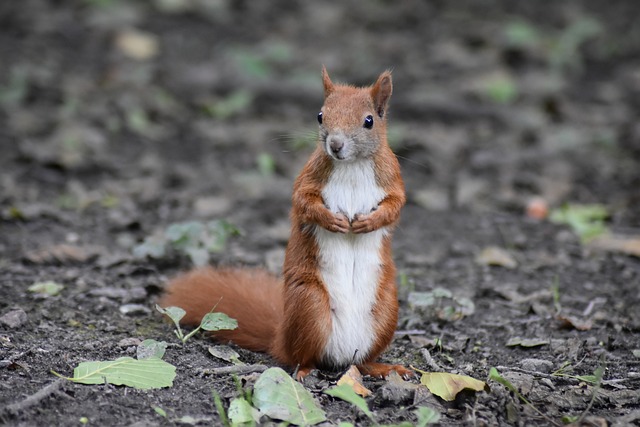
251	296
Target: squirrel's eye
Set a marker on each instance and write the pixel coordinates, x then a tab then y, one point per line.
368	122
320	117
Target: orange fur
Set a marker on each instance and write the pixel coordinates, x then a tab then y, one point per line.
292	319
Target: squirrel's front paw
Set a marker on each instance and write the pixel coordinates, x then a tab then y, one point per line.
339	224
363	224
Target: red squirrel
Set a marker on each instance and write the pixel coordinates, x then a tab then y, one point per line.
337	304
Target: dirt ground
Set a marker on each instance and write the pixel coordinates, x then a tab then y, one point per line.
119	119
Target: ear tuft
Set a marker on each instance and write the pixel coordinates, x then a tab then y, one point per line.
326	82
381	92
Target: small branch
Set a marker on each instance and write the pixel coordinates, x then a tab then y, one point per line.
236	369
430	361
35	398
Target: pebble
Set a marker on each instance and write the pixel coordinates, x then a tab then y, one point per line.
14	318
536	365
133	309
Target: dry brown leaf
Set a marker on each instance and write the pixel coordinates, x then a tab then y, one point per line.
353	378
63	254
590	421
494	255
526	342
137	44
571	322
613	243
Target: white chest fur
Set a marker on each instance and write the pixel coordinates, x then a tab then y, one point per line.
350	263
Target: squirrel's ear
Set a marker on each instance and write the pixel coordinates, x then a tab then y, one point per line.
381	92
326	82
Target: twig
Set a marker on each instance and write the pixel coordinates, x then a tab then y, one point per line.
411	332
430	361
35	398
236	369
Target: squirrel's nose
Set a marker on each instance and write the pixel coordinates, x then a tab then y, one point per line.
336	145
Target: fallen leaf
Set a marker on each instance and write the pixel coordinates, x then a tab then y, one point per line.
142	374
495	256
49	288
447	386
591	421
280	397
353	378
241	411
613	243
571	322
151	348
526	342
426	416
225	353
587	221
137	44
63	254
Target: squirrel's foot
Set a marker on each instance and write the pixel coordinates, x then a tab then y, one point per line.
382	370
302	372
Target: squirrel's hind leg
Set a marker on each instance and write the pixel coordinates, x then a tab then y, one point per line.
382	370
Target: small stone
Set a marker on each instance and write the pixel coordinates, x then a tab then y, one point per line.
134	309
397	391
536	365
211	207
129	342
14	318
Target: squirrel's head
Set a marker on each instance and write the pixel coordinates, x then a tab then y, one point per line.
352	120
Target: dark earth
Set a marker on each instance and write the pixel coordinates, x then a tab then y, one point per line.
120	118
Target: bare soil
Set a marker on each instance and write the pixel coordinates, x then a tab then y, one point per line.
208	111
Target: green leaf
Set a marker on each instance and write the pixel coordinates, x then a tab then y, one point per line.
141	374
501	90
152	247
174	313
426	416
219	232
236	103
185	234
346	393
241	412
198	256
217	322
587	221
279	396
521	35
49	288
225	353
266	164
526	342
151	348
160	411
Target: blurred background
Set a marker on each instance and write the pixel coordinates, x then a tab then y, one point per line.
142	113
